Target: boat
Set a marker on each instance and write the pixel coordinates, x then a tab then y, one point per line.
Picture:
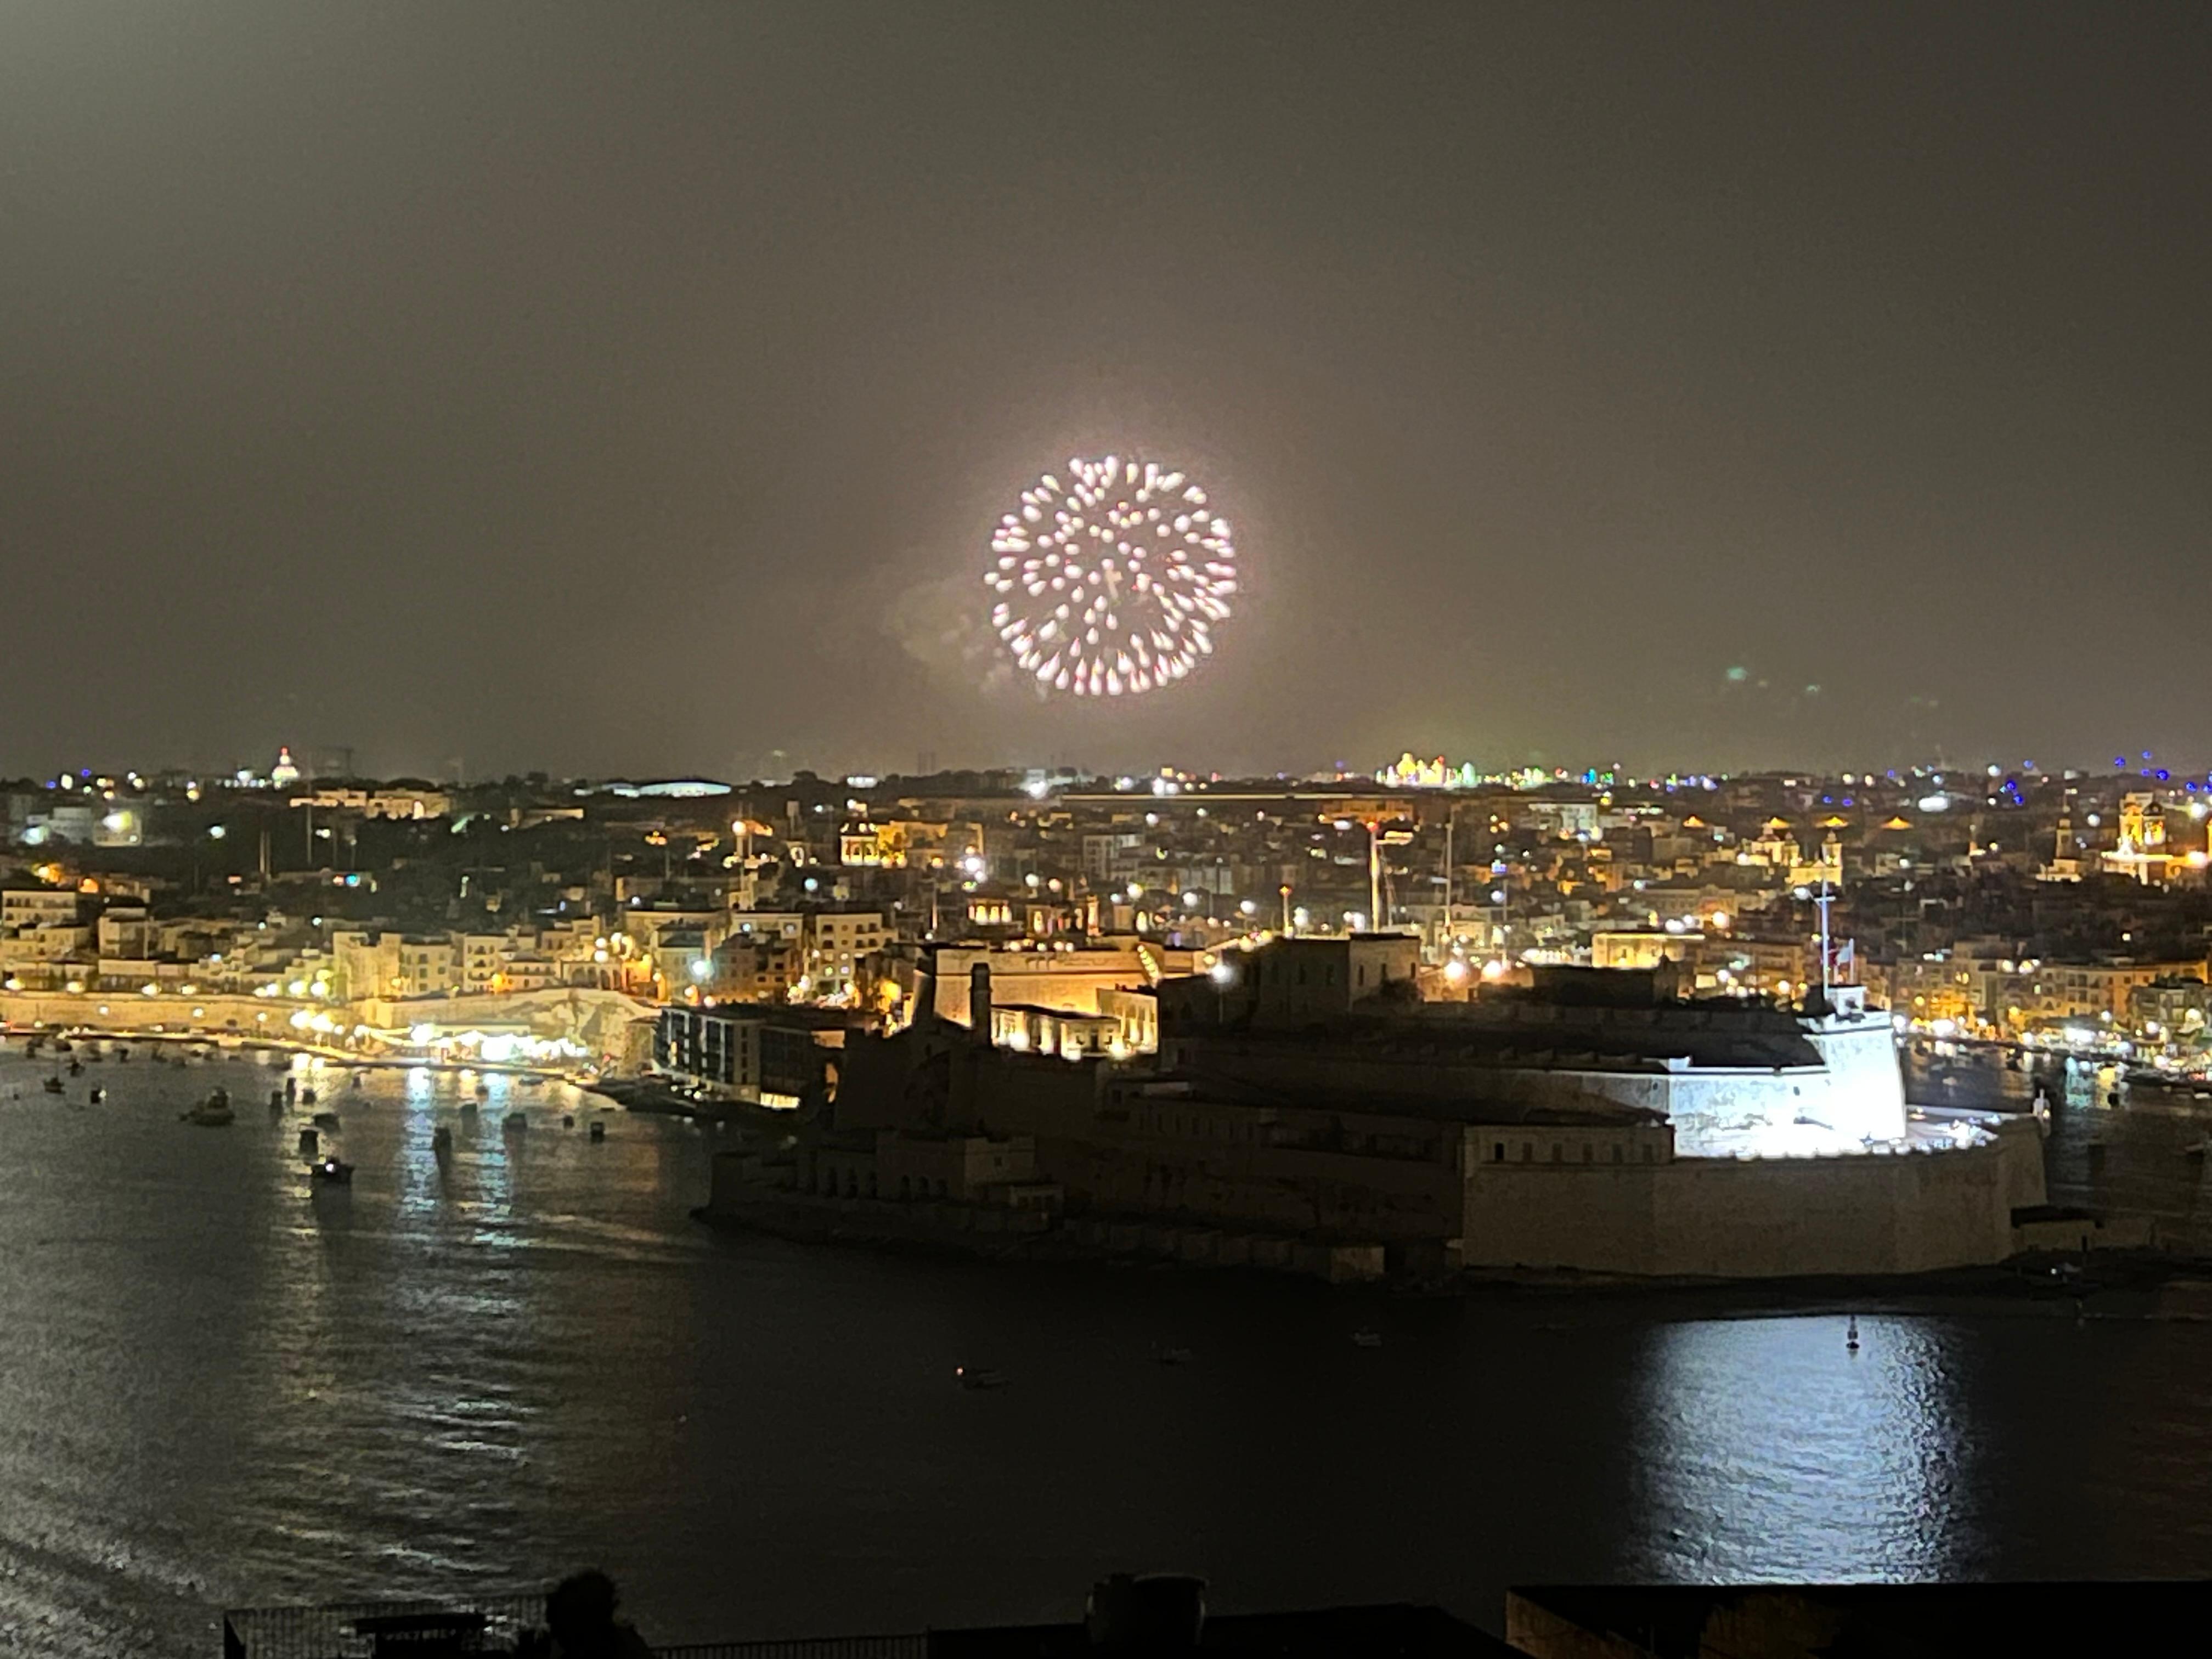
1367	1339
330	1172
978	1376
325	1120
212	1113
1851	1335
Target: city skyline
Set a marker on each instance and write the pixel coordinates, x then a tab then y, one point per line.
1621	383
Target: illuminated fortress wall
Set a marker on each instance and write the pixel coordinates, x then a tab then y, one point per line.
1757	1218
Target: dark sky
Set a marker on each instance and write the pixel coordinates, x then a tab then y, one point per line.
633	387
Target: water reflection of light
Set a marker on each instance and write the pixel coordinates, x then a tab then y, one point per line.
1774	1453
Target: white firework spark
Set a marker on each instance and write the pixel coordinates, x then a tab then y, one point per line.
1112	583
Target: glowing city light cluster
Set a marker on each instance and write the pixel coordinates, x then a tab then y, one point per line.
1112	583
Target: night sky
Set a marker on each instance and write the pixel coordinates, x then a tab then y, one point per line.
632	388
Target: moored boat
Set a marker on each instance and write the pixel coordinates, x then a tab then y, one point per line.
213	1112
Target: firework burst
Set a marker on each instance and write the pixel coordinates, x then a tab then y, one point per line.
1112	583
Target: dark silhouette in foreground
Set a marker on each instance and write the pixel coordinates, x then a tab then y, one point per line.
581	1623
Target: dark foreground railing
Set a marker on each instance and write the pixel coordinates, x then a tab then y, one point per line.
814	1647
365	1630
483	1625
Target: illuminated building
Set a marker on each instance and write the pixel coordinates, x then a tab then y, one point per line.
2065	863
1300	1119
2142	851
1408	772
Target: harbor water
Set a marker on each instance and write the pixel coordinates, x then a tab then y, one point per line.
222	1384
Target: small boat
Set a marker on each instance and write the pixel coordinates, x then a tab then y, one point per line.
326	1120
978	1376
1851	1335
441	1140
1367	1339
212	1113
330	1172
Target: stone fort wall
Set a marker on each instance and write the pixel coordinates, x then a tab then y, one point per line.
1757	1218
